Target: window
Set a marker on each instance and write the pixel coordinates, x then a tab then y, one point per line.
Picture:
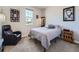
29	16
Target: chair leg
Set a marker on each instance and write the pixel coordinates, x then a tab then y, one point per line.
44	50
2	48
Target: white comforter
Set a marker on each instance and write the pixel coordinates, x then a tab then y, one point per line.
45	35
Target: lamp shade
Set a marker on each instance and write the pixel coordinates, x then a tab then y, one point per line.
2	17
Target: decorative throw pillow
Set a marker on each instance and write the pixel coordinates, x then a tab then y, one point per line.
51	26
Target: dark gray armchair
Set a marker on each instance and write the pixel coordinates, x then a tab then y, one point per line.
10	38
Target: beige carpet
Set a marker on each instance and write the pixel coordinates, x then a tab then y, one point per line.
26	45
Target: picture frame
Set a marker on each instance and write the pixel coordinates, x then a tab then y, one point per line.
14	15
69	14
37	16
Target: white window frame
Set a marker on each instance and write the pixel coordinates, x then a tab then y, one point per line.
29	17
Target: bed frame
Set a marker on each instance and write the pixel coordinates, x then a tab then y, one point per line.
54	40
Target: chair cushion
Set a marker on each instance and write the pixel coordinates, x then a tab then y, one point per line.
8	32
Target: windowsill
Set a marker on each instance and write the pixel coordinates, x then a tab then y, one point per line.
29	24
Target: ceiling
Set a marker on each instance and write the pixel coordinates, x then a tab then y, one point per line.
41	7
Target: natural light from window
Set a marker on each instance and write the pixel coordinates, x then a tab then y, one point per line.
29	16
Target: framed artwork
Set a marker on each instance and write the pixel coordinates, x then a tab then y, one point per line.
68	14
14	15
37	16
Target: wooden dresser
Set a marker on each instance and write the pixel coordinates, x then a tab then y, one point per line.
68	35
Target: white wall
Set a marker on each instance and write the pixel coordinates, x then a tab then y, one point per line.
21	26
54	15
43	12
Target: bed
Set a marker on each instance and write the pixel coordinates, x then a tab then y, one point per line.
45	35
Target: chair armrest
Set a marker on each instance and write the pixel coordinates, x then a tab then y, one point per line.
10	36
17	32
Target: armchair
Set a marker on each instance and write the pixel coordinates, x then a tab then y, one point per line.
10	38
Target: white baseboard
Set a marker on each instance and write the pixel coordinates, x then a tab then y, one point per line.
76	41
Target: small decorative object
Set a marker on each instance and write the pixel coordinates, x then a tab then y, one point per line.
37	16
14	15
68	14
